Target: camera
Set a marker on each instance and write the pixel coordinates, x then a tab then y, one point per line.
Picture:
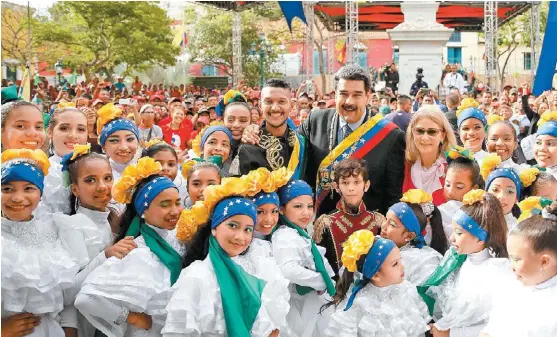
420	73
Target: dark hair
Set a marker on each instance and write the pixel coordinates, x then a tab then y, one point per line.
539	231
542	179
352	72
461	163
453	100
489	215
130	213
153	150
507	123
7	109
350	167
402	99
243	104
276	83
201	165
439	240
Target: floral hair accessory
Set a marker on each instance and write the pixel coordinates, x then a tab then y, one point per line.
107	113
458	151
66	105
229	97
79	150
547	116
473	197
187	166
490	162
491	119
533	205
123	189
420	197
153	142
465	104
357	245
25	165
246	186
528	176
38	157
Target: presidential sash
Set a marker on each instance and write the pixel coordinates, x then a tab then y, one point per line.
358	144
296	163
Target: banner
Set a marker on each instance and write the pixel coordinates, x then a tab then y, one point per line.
292	9
548	54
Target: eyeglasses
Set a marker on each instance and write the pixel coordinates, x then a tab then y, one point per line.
430	132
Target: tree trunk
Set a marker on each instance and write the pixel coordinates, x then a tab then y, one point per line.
503	70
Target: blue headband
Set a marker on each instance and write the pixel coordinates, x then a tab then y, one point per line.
212	129
294	189
406	215
505	173
149	192
118	125
471	113
374	259
229	207
470	225
263	198
20	170
548	128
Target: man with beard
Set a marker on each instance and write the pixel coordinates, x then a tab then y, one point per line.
278	143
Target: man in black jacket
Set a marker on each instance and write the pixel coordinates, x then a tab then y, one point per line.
391	77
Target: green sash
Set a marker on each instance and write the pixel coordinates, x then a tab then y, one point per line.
168	256
317	258
453	262
240	292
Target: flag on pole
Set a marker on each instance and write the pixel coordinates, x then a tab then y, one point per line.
25	88
341	47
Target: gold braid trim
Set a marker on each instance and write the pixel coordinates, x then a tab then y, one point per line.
319	226
272	147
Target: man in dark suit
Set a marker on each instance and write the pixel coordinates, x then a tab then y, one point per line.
325	129
453	100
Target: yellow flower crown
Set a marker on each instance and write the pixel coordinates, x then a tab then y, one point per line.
66	105
459	151
79	150
246	185
528	176
358	244
152	142
36	156
491	119
107	113
547	116
186	168
473	197
465	104
123	189
530	204
231	94
416	196
490	162
196	142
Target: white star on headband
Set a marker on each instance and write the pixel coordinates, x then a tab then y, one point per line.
238	201
231	203
225	211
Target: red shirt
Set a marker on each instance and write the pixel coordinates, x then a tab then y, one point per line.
438	196
181	136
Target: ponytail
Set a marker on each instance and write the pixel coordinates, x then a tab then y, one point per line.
438	238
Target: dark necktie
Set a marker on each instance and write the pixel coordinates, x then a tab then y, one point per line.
346	131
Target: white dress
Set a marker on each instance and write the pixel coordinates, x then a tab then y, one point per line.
419	263
393	311
479	156
512	222
117	170
195	308
56	197
139	282
523	311
447	210
465	298
293	255
182	186
38	265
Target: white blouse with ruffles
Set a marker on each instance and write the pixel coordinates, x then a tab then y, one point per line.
419	263
56	196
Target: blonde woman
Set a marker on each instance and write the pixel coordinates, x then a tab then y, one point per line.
428	136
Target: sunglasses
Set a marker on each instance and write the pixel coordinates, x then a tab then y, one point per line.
430	132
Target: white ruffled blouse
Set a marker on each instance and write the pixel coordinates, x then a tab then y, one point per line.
396	310
419	263
512	222
117	170
465	298
56	196
479	156
195	308
182	186
139	282
38	265
447	210
522	311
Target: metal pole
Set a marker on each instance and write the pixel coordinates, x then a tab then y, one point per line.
236	48
261	73
490	29
534	37
351	8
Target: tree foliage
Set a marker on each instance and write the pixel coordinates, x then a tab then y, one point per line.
15	33
98	35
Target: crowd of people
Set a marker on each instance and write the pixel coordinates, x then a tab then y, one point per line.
275	211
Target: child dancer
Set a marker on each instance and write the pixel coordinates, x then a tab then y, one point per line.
463	285
267	218
546	138
214	141
22	126
351	181
543	185
381	303
406	225
128	295
38	259
471	124
301	261
526	307
502	140
198	175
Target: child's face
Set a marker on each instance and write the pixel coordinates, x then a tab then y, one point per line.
299	210
548	191
121	146
19	200
199	180
464	242
472	134
164	210
545	151
94	184
217	144
234	234
267	218
168	162
23	129
395	231
458	182
352	189
527	265
505	190
71	129
501	140
391	271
